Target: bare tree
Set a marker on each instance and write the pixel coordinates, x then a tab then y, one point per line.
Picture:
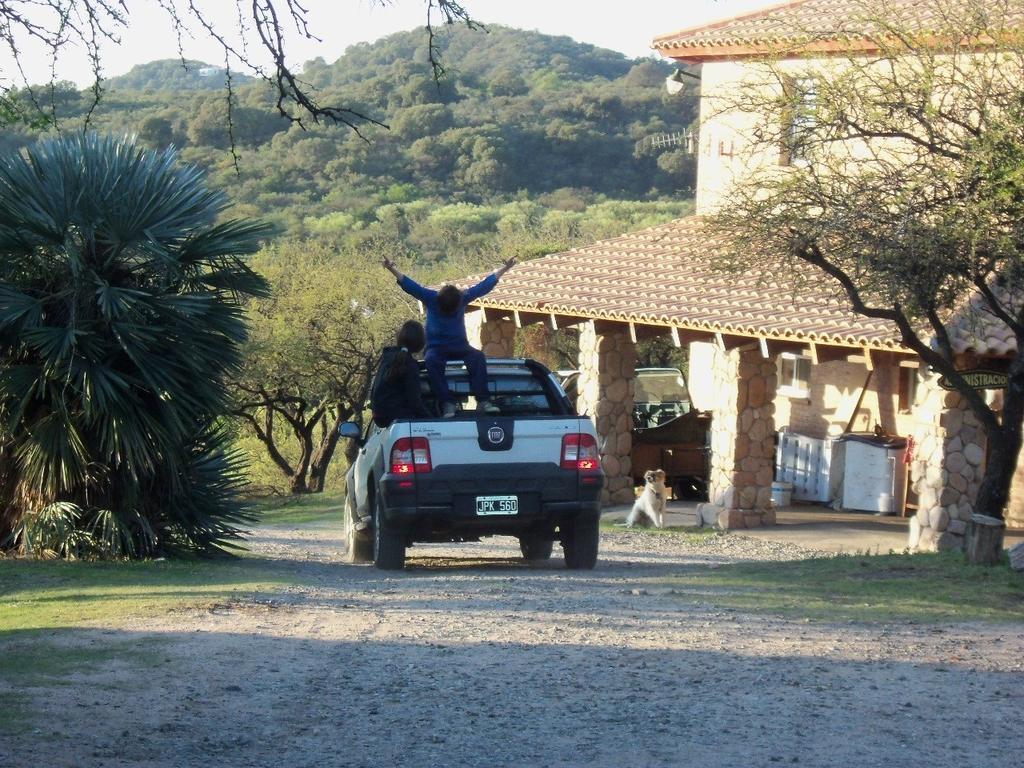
311	355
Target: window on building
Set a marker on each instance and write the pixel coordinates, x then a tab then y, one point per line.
794	375
799	118
907	392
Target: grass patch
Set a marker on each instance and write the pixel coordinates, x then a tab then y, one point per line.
41	594
690	533
296	510
15	713
30	661
880	588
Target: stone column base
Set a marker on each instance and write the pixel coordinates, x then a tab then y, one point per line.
732	519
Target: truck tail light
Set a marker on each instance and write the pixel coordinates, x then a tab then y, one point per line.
410	455
579	452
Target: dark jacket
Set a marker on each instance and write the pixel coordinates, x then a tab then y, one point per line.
397	399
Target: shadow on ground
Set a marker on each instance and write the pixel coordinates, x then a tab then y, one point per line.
184	699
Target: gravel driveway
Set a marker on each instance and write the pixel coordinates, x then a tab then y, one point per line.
471	658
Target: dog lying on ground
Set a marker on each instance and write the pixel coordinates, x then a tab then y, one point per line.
650	505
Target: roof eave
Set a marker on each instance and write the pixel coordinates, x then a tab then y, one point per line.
849	341
696	54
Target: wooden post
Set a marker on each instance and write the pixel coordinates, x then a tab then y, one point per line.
985	540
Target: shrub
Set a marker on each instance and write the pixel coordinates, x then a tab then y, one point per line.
119	318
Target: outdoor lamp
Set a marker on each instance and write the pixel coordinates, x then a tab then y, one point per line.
676	82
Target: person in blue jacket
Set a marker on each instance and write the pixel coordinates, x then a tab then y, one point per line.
446	335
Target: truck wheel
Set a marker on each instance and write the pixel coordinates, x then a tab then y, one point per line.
388	544
535	547
579	542
358	544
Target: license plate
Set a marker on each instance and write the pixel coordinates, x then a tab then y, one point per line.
497	505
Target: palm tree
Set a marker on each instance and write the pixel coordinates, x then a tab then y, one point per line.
120	317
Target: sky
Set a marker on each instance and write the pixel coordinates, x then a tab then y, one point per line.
627	26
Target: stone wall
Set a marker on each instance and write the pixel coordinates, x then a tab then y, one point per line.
496	338
742	440
724	423
946	470
607	367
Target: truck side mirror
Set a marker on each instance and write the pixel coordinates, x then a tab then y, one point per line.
350	430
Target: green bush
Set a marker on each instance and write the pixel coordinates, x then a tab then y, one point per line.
120	316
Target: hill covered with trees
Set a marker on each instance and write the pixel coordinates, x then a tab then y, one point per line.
174	75
520	119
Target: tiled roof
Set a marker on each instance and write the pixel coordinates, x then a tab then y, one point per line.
667	275
807	26
974	328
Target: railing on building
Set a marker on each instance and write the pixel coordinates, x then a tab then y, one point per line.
656	141
806	463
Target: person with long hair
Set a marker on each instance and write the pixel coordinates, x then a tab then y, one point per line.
395	393
446	335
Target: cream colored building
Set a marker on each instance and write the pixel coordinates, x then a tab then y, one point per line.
769	354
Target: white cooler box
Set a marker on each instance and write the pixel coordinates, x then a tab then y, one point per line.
867	472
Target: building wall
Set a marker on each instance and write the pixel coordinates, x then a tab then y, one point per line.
724	152
700	378
736	142
1015	510
832	397
834	388
949	459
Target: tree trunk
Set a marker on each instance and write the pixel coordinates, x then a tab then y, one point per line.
9	518
266	436
1004	444
324	454
985	540
10	512
299	478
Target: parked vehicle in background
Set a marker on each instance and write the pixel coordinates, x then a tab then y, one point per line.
530	471
667	433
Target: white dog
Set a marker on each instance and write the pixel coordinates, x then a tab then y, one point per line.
650	505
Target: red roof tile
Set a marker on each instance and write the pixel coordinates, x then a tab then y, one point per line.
667	275
973	328
810	25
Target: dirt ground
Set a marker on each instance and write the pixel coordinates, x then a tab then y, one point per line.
471	658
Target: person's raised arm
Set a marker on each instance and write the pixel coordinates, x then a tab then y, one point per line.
505	267
486	285
390	266
407	284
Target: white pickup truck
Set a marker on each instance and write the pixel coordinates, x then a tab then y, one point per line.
531	471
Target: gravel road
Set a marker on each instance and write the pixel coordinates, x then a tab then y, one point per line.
472	658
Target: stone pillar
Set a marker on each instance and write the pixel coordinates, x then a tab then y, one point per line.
607	368
947	466
496	338
742	440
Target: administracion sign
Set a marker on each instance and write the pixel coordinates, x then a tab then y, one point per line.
978	378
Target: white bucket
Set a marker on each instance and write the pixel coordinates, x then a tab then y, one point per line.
782	494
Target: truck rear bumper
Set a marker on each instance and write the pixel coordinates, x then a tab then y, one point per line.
446	499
